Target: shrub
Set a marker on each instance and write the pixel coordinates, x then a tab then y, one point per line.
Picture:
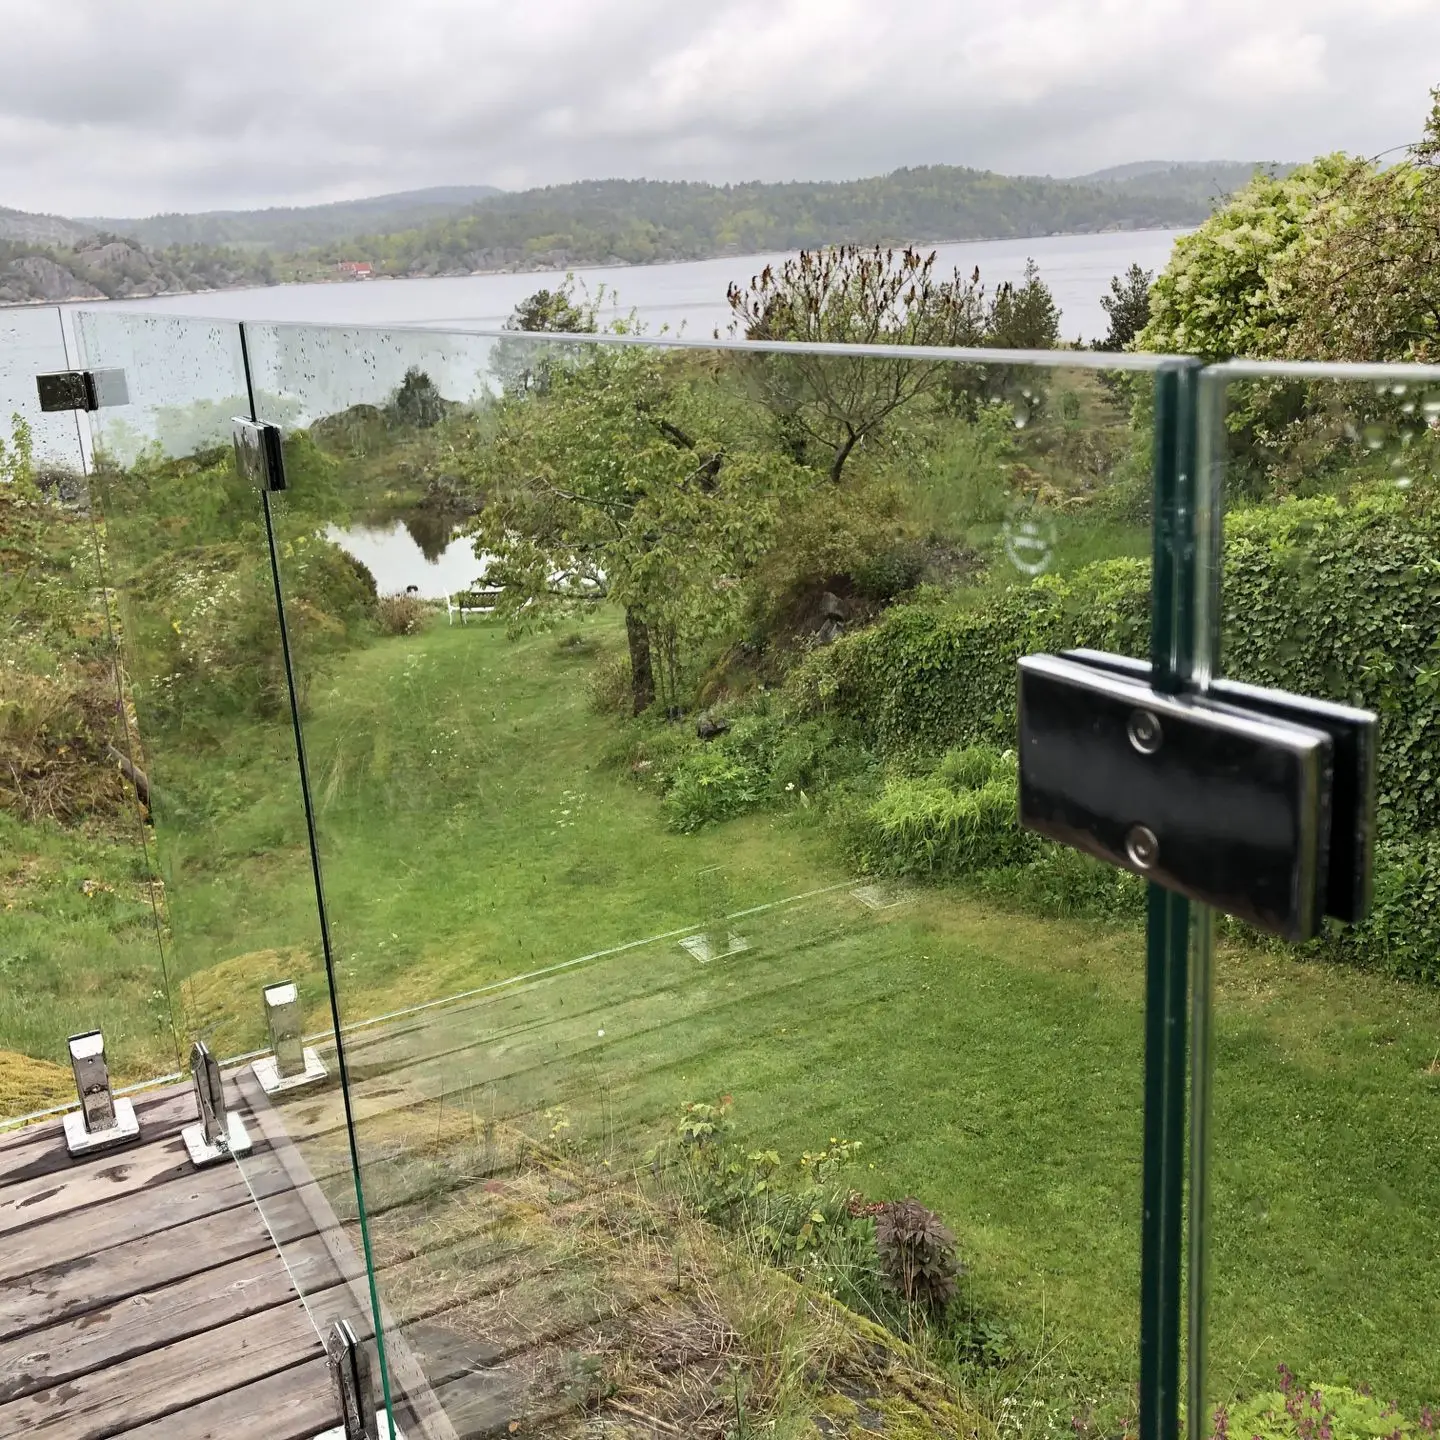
1298	1411
1402	935
401	614
608	689
713	783
917	1254
891	572
960	819
928	677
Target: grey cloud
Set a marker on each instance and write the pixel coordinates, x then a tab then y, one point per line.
132	107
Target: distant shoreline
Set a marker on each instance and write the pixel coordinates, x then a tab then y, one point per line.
550	267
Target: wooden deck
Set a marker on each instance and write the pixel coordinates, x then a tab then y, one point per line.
521	1287
140	1297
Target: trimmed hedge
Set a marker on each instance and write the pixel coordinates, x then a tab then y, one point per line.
1323	598
931	678
1319	598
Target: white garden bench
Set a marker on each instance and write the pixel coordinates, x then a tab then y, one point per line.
472	602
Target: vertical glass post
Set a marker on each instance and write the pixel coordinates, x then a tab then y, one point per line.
1174	592
1209	518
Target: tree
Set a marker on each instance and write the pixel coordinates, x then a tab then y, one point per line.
522	365
1367	285
555	312
1024	316
1222	294
417	402
623	478
851	296
1128	306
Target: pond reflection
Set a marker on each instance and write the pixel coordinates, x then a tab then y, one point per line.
397	561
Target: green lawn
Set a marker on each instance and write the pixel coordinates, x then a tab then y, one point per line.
988	1062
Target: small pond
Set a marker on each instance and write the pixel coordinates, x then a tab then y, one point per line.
393	557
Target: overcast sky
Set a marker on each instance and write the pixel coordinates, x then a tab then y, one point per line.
127	107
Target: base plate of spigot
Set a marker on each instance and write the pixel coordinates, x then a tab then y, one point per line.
80	1141
267	1072
382	1429
202	1153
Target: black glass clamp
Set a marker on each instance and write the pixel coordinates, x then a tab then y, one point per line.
82	389
259	453
1256	802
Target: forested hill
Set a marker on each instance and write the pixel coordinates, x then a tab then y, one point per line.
298	227
637	221
459	229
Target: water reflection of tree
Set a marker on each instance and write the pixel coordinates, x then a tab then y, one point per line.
432	530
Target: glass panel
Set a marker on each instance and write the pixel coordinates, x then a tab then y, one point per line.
187	557
1323	1205
78	941
32	342
668	1031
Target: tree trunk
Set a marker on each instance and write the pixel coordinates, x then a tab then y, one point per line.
841	456
642	672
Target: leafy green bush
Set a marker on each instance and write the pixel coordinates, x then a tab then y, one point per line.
890	572
761	759
1402	935
1298	1411
711	784
958	820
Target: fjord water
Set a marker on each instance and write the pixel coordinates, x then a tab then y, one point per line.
688	295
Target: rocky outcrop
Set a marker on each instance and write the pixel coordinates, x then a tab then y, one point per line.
107	267
35	278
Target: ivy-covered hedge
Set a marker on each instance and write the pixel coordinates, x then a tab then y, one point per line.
1344	602
1320	598
928	678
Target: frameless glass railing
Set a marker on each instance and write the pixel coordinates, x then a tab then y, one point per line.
80	947
186	554
1323	1315
705	1048
696	676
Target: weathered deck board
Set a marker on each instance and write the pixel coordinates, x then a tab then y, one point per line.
160	1383
153	1318
27	1202
112	1222
141	1297
62	1291
293	1405
36	1151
